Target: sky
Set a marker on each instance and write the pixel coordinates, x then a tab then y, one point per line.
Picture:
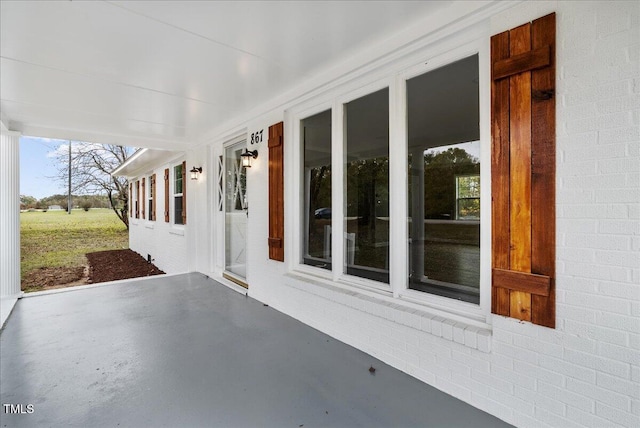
38	167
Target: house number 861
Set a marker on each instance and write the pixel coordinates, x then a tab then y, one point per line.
256	137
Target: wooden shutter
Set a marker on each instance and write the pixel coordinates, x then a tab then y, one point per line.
154	196
137	198
276	192
144	200
130	200
523	172
184	192
166	195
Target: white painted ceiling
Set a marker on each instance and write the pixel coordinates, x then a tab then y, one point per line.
163	74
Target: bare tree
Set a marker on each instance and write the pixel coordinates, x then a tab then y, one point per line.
91	166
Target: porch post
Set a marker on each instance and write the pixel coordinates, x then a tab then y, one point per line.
9	221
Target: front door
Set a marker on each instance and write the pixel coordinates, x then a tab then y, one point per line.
236	212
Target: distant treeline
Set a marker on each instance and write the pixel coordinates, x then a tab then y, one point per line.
78	201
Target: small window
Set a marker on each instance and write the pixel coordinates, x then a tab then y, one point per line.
444	181
177	194
316	137
151	195
137	199
468	197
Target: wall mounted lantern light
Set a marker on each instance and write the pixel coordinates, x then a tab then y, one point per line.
194	172
247	156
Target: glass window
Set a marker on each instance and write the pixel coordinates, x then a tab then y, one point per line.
316	137
137	199
444	181
367	187
177	194
151	185
468	197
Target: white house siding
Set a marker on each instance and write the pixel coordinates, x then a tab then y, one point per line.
200	206
586	372
166	243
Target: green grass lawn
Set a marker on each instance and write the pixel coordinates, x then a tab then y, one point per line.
57	239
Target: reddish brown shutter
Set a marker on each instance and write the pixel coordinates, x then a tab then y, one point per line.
143	198
154	195
137	198
166	195
184	192
523	172
276	192
130	199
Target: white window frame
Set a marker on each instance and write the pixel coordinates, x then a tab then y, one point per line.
173	194
149	198
132	202
458	198
300	220
482	310
466	43
339	197
136	190
303	197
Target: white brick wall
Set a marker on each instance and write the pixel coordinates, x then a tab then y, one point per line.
166	246
165	242
586	371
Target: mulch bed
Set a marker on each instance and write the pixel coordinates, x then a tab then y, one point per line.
114	265
103	266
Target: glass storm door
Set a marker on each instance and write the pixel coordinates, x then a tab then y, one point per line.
236	212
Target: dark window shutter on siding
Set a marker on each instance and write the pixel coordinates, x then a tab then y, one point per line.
523	172
166	195
130	199
154	195
184	192
276	192
143	198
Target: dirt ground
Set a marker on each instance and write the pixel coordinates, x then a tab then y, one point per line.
102	266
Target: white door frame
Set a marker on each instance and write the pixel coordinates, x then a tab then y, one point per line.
234	277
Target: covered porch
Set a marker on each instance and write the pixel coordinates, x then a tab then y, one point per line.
184	350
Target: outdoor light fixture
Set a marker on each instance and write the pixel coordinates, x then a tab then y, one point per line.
194	172
247	156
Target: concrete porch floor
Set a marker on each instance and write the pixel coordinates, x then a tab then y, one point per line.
186	351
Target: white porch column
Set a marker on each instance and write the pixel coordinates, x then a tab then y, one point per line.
9	221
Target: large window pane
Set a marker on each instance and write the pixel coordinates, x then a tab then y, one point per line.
444	181
177	190
367	187
316	137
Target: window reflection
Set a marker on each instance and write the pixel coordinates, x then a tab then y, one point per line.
316	137
444	181
367	187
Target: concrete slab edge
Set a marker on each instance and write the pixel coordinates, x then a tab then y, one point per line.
6	307
101	284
